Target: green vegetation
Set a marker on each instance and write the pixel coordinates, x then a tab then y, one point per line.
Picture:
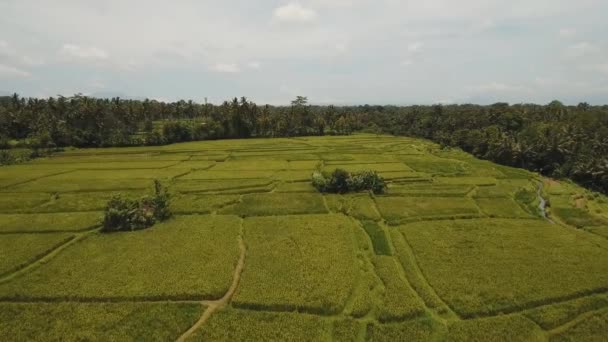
378	236
456	249
182	258
423	329
551	316
590	329
125	214
400	302
341	181
95	321
19	250
506	265
287	266
500	328
399	209
277	204
246	325
49	222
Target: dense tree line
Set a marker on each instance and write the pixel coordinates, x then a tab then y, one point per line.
554	139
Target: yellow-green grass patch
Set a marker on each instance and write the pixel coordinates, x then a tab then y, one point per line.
434	165
577	217
19	250
193	165
245	325
49	222
188	204
397	209
82	185
551	316
187	257
18	174
303	164
405	176
499	265
84	201
210	157
265	204
480	181
252	165
422	329
348	330
501	207
510	328
377	235
590	329
96	321
104	165
295	187
293	176
228	174
93	175
287	266
598	230
22	202
360	206
188	186
379	167
430	190
399	301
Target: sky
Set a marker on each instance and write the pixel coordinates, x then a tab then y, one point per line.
333	51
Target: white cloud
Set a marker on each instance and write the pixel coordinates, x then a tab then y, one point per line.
580	49
494	87
254	65
229	68
84	52
406	62
414	47
567	32
294	12
11	72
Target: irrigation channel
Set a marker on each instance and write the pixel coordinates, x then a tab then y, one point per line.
543	202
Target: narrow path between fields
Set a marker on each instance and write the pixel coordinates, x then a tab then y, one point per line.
212	306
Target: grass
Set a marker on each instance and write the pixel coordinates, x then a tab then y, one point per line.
398	209
360	206
347	330
22	202
551	316
434	165
200	186
590	329
501	328
378	237
504	265
423	329
399	301
267	204
19	250
504	273
430	190
95	322
182	258
287	269
245	325
201	204
49	222
501	207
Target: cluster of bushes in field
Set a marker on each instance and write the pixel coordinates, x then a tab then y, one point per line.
125	214
341	181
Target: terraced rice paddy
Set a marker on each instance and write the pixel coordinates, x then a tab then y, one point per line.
457	249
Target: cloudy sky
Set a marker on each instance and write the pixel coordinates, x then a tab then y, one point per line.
333	51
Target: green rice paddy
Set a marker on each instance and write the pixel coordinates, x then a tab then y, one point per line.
457	249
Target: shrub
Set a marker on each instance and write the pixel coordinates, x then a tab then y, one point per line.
124	214
341	181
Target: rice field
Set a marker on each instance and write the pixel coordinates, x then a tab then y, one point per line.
457	249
